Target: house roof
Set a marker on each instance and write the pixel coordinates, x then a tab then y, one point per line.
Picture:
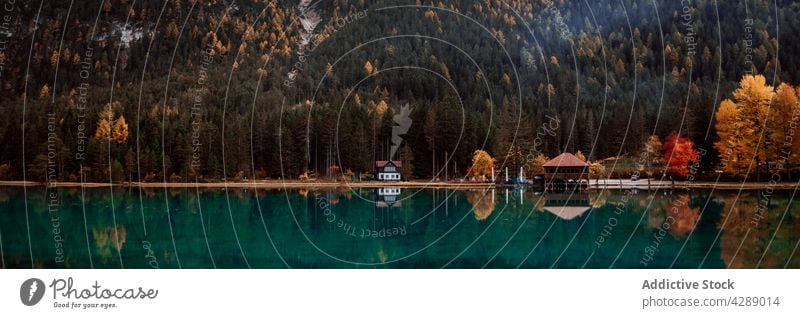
566	160
567	212
383	163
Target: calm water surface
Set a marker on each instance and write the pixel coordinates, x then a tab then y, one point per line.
381	228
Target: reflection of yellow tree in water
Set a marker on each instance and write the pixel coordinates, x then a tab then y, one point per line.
105	239
794	262
740	219
785	236
346	192
382	257
539	202
175	192
597	199
482	203
333	198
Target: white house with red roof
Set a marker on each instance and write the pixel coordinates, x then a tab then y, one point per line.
388	170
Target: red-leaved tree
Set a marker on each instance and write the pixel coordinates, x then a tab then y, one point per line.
679	152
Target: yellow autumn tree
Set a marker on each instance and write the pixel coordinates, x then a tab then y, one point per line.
110	129
381	108
597	170
45	91
368	68
727	126
104	123
506	80
482	164
784	138
741	122
536	165
580	156
120	132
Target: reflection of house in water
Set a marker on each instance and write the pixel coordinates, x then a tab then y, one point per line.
387	197
567	206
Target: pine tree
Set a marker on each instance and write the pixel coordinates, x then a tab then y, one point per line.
407	156
514	136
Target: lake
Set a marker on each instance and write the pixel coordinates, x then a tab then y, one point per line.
124	227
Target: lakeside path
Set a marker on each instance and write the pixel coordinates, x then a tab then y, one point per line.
270	184
297	184
657	184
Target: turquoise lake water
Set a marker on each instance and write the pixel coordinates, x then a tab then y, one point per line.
396	228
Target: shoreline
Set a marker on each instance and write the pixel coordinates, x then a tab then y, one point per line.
297	184
271	184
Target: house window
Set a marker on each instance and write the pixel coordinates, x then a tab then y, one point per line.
388	176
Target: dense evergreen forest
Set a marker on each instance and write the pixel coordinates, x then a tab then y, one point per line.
173	90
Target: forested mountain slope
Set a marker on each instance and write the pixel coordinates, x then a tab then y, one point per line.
278	88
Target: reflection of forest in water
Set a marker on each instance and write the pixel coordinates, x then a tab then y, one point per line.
345	227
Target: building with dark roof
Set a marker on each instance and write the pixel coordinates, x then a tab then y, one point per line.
565	170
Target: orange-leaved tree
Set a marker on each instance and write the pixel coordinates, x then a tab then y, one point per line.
679	152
